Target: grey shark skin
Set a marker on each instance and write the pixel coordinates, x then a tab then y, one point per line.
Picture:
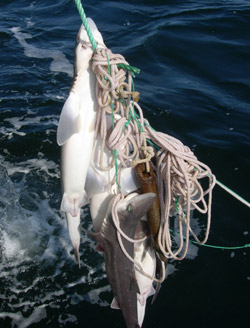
119	269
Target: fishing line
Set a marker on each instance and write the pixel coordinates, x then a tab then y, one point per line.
215	246
85	23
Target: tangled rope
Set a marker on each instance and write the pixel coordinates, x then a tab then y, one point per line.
178	171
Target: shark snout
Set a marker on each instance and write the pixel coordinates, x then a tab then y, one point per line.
142	203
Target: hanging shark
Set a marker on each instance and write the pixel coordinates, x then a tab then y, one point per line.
99	187
145	255
76	131
120	270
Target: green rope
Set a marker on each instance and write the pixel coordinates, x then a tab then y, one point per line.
132	69
230	191
214	246
129	68
85	23
221	247
222	186
207	245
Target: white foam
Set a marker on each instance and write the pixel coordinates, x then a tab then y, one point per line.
170	269
193	249
18	123
16	317
59	62
11	246
39	163
70	319
29	22
37	315
94	295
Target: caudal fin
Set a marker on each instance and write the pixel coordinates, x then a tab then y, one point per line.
74	233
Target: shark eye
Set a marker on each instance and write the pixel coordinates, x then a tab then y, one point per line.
84	45
129	208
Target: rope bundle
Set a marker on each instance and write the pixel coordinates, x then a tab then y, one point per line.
178	171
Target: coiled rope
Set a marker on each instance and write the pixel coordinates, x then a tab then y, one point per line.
179	173
177	169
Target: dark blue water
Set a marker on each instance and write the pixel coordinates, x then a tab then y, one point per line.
194	58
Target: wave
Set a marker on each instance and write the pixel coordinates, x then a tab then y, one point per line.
35	251
37	265
59	61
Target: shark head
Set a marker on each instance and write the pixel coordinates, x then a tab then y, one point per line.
83	50
135	207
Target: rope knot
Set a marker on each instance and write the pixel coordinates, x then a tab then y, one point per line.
148	153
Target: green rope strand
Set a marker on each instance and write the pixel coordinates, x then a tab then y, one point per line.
132	69
214	246
129	68
221	247
85	23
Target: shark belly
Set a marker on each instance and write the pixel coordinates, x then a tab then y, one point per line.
144	254
76	154
75	132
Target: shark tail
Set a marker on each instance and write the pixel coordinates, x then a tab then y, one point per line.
74	233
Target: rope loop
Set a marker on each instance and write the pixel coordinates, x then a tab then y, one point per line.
178	172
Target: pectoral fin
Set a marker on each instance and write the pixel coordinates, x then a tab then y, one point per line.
158	287
143	298
115	305
72	203
95	182
134	285
70	121
129	181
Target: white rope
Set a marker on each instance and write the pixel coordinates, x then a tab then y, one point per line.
178	172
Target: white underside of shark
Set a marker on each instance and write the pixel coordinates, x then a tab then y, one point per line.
75	134
83	181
